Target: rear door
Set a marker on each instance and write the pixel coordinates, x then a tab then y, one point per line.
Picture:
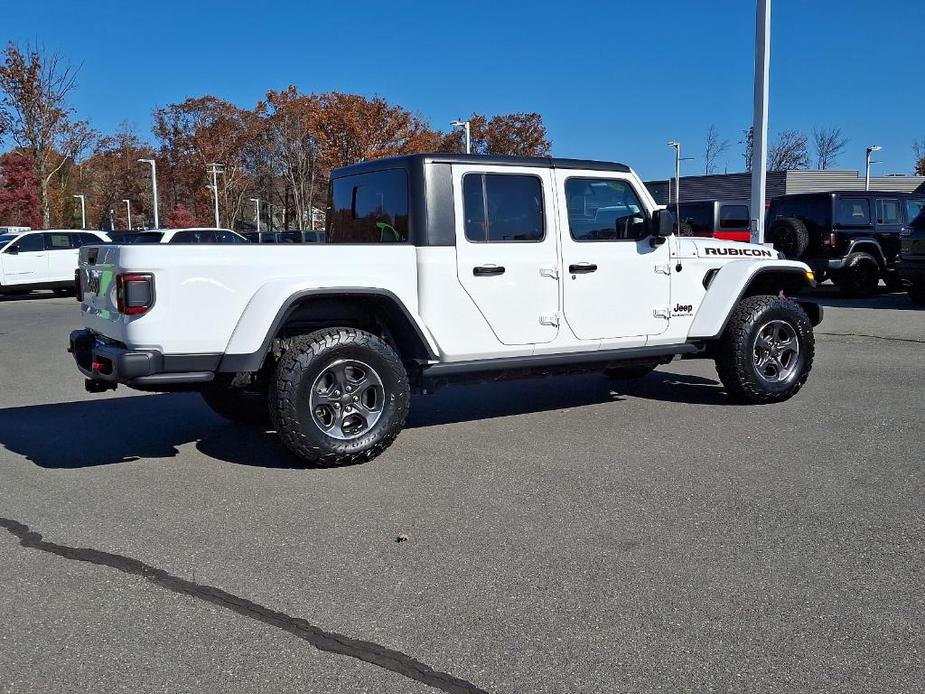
616	281
25	261
62	256
889	224
506	249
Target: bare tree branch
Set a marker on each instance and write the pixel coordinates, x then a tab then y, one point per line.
713	147
828	143
788	152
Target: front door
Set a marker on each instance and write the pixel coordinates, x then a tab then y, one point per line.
506	258
25	261
616	278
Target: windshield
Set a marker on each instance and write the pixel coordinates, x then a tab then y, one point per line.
148	238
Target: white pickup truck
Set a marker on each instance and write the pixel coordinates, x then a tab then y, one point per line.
436	268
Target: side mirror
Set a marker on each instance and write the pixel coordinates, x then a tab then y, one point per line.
663	223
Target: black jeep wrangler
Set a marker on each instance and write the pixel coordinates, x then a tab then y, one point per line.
911	263
851	237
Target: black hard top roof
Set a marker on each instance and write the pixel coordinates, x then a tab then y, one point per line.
409	160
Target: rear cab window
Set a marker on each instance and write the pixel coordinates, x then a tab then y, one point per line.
733	217
369	208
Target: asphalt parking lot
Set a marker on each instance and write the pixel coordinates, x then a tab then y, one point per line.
565	535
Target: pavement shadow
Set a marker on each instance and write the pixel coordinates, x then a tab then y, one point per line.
830	295
104	431
35	295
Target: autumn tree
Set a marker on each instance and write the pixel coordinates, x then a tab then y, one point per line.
828	143
713	147
515	134
918	151
19	202
180	218
36	115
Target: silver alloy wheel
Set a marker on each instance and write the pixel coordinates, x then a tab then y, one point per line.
776	351
347	399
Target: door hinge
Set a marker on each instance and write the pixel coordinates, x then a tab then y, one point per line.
551	272
549	319
660	312
663	269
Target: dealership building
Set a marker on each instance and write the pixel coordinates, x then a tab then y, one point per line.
738	186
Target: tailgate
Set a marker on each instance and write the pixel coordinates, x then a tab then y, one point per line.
97	272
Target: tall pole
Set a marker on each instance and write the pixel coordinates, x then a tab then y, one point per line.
157	222
677	182
466	126
214	170
256	201
867	163
760	119
128	213
83	211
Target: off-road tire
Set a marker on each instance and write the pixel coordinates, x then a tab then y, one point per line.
860	276
735	354
241	405
630	373
916	292
789	236
306	358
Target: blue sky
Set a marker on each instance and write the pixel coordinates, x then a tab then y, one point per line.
614	80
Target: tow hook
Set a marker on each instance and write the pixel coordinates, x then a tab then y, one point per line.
94	385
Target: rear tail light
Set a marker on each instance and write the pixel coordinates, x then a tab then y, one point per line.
78	288
833	239
134	293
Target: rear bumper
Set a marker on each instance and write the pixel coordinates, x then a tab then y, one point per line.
111	362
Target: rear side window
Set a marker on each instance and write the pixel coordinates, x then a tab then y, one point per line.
57	242
733	217
29	243
852	211
501	208
889	212
698	216
369	208
603	210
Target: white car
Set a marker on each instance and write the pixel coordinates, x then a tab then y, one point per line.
45	259
438	268
191	235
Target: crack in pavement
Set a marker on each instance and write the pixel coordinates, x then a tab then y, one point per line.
386	658
875	337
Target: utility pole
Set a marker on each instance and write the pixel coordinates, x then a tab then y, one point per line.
464	124
157	222
677	183
215	169
760	118
867	163
83	210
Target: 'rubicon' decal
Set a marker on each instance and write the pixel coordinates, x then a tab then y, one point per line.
738	251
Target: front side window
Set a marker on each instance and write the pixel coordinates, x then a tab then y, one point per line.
852	211
914	209
888	212
500	208
57	242
603	210
29	243
369	208
733	217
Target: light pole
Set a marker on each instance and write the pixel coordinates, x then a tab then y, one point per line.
464	124
256	201
128	213
83	210
867	163
215	169
157	222
677	182
760	118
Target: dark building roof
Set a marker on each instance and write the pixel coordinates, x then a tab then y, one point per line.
410	160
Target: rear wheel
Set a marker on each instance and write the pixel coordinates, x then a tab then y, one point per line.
860	276
339	396
766	351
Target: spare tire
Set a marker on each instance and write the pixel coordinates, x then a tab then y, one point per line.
789	236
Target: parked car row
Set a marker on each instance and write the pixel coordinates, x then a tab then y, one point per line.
44	259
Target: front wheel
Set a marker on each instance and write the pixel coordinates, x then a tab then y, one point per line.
339	396
766	351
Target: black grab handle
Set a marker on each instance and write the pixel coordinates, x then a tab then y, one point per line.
487	270
582	269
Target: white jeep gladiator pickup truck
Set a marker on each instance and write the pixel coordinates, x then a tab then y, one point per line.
436	268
